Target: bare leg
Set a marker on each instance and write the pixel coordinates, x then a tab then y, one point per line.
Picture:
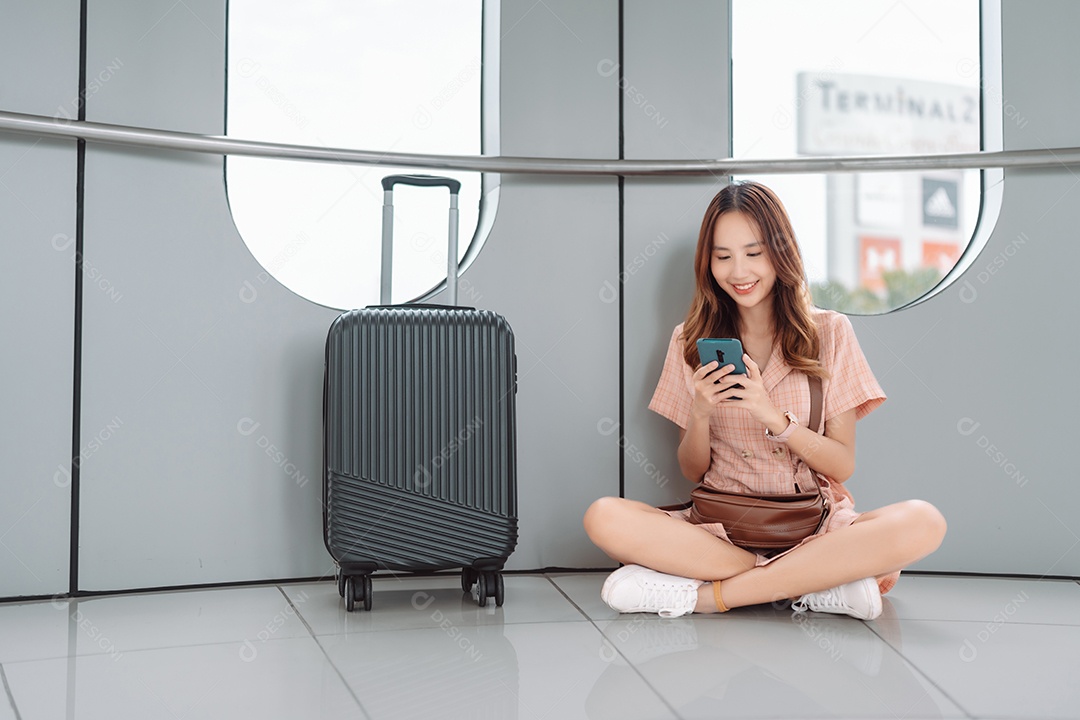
877	543
633	532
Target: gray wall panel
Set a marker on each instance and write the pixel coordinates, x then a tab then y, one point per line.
40	50
164	62
662	223
541	270
212	471
40	46
555	100
554	242
37	273
208	371
1039	96
675	84
975	379
675	56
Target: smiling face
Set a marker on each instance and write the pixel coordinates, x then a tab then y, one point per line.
739	262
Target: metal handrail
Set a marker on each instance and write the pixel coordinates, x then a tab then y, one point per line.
216	145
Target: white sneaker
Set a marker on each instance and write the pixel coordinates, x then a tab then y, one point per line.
860	599
634	588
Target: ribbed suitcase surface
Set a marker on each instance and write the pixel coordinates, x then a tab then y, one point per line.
420	437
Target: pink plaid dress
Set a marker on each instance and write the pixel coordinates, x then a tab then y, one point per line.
743	459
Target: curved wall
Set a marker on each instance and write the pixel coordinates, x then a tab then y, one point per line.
200	375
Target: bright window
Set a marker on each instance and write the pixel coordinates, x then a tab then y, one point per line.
836	77
365	74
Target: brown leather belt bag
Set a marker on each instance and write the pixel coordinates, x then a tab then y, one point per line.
771	523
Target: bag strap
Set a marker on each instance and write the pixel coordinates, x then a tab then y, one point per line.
815	402
814	422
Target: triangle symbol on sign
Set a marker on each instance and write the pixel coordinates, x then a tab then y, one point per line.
939	205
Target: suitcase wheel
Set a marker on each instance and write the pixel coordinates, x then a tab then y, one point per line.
340	584
468	579
482	590
490	584
357	588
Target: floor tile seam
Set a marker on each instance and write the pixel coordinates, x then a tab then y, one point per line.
318	645
975	575
728	617
341	677
383	579
296	610
888	716
376	589
964	713
10	695
583	621
569	599
926	676
165	646
242	584
604	639
622	617
991	622
95	595
152	649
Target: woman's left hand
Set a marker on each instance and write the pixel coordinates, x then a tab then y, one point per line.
754	398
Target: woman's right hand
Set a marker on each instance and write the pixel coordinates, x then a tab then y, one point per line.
710	391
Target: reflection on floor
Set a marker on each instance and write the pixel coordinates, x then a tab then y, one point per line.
944	647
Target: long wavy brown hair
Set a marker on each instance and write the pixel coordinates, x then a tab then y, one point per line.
713	313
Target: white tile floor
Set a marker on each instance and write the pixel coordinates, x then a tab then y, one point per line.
945	647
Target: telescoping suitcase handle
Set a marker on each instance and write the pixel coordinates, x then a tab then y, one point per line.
388	184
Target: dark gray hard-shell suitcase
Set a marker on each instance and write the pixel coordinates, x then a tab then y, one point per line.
419	436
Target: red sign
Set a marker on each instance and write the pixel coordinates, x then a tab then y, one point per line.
940	255
876	256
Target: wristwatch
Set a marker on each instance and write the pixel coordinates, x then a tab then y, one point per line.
793	422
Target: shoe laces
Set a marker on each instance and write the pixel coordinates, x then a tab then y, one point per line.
671	599
831	599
